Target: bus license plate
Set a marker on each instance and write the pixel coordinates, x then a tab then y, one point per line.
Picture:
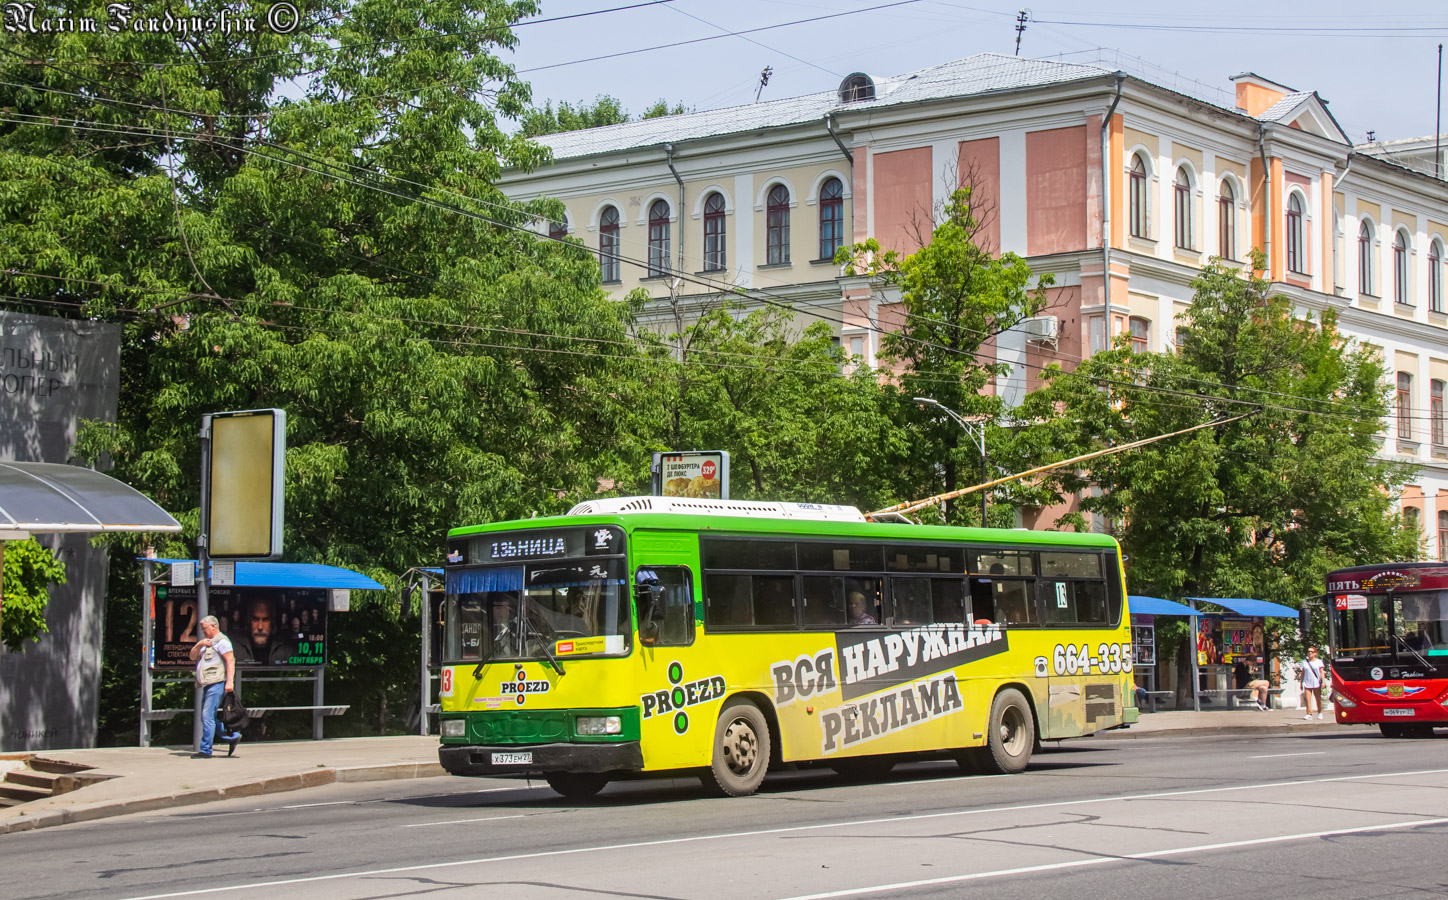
512	759
1409	713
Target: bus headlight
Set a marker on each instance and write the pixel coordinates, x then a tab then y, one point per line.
454	727
1342	701
599	725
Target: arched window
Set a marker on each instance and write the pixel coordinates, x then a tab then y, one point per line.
1140	334
1443	536
557	229
1435	411
1138	197
832	217
1295	262
777	226
608	243
1400	270
1435	276
1412	520
1339	251
714	259
1365	259
1227	222
658	238
1403	401
1183	191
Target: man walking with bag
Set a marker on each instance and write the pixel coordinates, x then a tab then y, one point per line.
216	673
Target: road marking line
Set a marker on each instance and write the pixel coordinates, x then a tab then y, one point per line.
1280	755
310	805
785	830
461	821
1099	860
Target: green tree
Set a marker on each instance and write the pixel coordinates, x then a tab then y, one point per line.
661	108
29	571
546	119
796	426
955	297
345	256
1263	507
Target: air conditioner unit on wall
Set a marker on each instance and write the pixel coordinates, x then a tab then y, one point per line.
1041	328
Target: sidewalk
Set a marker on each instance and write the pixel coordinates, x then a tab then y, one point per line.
165	777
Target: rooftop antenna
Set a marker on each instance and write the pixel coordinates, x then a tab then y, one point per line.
1021	18
763	80
1372	136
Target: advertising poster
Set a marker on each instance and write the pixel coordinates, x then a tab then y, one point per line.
268	627
1209	641
1241	638
701	474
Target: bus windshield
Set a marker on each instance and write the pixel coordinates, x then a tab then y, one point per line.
1382	625
529	611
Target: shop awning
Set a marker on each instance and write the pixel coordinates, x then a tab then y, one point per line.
295	575
1155	606
52	498
1250	607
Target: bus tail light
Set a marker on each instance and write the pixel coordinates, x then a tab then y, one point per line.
454	727
599	725
1341	700
1443	698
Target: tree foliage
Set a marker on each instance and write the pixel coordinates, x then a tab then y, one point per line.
604	110
29	571
1263	507
955	298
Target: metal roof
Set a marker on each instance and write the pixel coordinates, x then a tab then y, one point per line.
1155	606
47	498
1247	607
979	74
299	575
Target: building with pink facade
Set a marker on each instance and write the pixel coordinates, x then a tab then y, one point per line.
1118	187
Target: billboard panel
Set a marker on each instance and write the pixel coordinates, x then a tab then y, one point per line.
248	461
269	627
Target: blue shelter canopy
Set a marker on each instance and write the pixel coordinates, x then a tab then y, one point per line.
296	575
1250	607
1155	606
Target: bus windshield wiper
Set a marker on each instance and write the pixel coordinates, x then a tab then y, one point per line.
1402	642
542	644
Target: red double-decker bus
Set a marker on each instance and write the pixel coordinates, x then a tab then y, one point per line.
1389	636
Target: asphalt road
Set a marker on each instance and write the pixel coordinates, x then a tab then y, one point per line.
1346	815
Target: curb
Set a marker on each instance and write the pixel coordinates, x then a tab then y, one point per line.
274	785
1217	731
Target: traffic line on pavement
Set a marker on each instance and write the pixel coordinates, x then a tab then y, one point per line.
462	821
1280	755
849	823
1128	857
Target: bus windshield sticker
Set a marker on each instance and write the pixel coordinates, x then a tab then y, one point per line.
1351	601
912	703
680	695
871	661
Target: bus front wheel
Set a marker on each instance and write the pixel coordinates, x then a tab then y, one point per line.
741	752
576	785
1011	734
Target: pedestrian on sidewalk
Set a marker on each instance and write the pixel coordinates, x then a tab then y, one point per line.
1312	669
216	673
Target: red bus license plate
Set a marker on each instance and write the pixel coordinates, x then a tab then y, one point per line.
1401	713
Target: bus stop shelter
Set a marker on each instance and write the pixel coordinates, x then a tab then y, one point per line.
336	582
1252	612
1144	611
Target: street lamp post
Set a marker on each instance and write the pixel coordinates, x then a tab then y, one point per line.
975	430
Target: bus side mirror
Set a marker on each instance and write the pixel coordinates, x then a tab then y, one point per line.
649	599
1304	621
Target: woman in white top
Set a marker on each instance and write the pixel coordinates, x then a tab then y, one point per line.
1312	683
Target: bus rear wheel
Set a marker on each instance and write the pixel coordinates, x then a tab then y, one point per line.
1011	734
576	785
741	752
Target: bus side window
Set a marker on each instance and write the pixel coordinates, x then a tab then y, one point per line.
982	601
665	599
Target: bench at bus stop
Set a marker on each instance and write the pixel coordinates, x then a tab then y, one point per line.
1239	698
254	712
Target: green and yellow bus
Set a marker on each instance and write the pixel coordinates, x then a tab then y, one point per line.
657	634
